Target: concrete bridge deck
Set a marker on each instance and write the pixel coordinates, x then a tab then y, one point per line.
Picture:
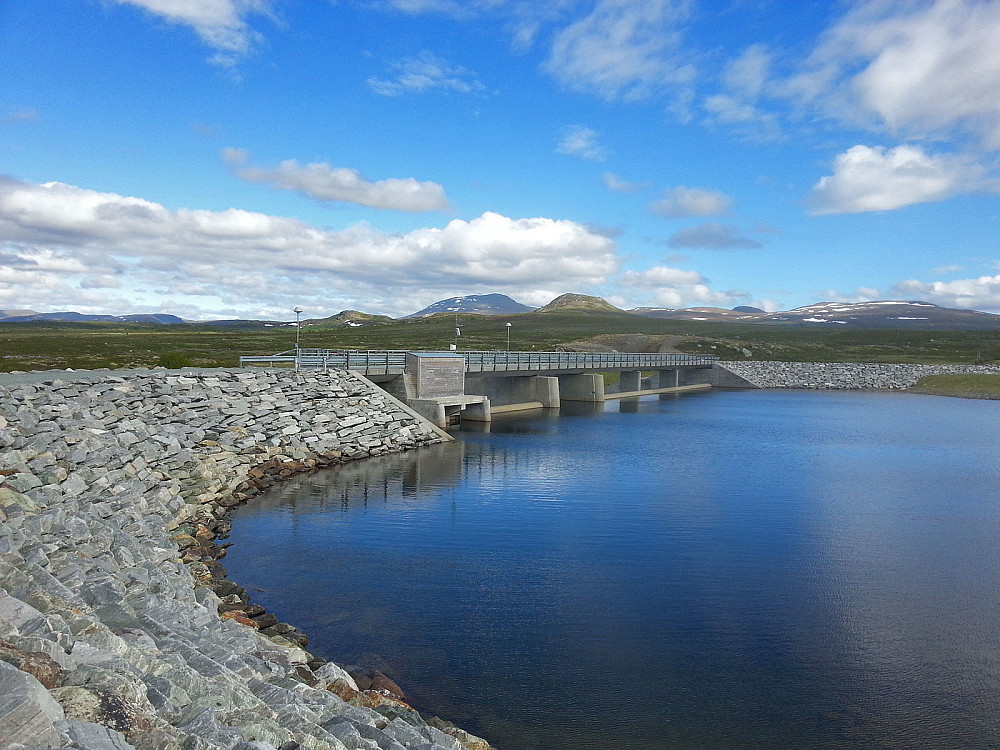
393	362
452	385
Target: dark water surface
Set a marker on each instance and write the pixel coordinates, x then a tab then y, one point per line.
729	570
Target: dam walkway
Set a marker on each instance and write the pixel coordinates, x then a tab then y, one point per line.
394	362
451	386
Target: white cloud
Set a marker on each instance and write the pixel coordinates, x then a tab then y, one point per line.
712	236
675	287
423	73
662	276
326	183
748	74
917	69
746	79
221	24
623	50
875	179
982	293
681	202
523	19
616	184
578	140
63	245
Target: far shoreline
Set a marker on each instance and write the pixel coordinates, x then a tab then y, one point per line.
983	386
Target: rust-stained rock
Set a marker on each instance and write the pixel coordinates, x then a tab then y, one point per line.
345	691
240	617
382	684
42	666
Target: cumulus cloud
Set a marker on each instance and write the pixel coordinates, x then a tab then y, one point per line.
325	183
712	236
917	69
877	179
662	276
682	202
221	24
623	50
675	287
423	73
60	239
982	293
616	184
577	140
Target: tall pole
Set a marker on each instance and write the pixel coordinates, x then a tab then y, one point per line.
458	332
298	312
508	338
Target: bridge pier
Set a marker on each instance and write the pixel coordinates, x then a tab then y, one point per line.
631	380
526	391
669	378
582	387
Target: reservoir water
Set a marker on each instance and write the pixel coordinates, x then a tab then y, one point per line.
758	569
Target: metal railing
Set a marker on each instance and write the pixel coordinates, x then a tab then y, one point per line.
554	361
393	362
376	362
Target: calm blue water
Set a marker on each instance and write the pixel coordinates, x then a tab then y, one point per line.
728	570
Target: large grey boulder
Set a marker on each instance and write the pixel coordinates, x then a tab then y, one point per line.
27	711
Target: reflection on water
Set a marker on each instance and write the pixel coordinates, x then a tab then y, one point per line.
382	479
721	570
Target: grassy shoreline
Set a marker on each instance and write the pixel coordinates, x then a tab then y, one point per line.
982	386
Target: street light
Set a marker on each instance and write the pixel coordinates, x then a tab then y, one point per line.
508	338
298	312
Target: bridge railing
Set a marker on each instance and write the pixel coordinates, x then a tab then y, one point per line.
393	362
373	362
527	361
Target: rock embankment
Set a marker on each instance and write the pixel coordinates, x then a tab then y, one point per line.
840	375
113	495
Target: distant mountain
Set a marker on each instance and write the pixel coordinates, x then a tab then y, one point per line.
899	314
75	317
161	318
881	314
353	319
886	314
712	314
579	302
481	304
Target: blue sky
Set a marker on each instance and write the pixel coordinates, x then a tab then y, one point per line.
239	158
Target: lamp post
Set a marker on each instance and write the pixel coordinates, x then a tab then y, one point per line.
458	332
298	312
508	337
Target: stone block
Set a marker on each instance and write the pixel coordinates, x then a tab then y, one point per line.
27	710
